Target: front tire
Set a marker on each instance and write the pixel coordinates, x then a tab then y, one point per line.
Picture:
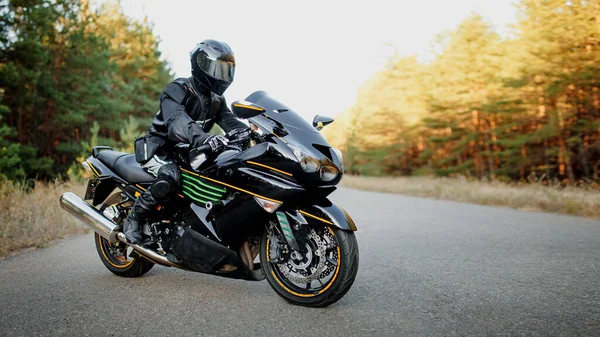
320	287
115	257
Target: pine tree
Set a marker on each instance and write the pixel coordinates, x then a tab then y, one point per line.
63	67
560	70
486	107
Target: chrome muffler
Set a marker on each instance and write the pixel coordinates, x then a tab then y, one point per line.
109	230
90	216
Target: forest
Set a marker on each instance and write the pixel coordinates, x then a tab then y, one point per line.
485	106
510	108
72	74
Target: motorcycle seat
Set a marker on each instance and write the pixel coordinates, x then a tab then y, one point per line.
125	165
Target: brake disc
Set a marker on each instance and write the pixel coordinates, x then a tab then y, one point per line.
294	271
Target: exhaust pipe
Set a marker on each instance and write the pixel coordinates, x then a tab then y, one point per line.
105	227
150	254
90	216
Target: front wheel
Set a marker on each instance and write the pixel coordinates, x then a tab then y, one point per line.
320	275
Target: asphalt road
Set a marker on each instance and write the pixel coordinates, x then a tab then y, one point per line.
427	268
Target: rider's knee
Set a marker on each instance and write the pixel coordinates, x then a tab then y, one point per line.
166	183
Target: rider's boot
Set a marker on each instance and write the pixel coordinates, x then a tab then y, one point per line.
141	211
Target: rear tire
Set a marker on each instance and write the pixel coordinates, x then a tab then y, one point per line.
115	257
334	288
131	267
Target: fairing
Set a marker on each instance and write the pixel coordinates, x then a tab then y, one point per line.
269	170
328	213
296	130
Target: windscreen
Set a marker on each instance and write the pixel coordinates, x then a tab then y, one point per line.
300	131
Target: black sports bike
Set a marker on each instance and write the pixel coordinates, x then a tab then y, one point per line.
258	209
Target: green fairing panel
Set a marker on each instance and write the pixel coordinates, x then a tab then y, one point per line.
200	191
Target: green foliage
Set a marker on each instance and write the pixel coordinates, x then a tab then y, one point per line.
63	68
17	159
128	134
487	107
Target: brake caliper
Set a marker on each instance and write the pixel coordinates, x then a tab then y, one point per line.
278	248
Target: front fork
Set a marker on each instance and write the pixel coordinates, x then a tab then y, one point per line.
287	234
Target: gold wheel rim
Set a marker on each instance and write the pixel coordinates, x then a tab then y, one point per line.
329	284
120	266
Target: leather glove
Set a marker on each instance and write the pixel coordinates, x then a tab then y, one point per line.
216	142
238	135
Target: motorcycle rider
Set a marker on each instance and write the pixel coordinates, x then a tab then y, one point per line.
189	108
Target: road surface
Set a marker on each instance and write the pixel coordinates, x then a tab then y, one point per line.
427	268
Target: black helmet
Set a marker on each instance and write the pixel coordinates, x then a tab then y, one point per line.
213	65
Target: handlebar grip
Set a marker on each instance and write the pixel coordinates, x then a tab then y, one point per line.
188	147
204	148
183	146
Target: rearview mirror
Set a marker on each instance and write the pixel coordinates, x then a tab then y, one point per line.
245	110
320	121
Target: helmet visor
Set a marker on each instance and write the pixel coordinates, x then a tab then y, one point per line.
220	69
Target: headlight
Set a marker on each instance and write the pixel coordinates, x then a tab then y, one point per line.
328	173
308	162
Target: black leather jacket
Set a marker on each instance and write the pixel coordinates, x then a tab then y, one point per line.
187	112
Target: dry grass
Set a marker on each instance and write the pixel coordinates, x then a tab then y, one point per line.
35	219
533	197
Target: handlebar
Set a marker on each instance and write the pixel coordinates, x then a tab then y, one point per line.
233	137
187	147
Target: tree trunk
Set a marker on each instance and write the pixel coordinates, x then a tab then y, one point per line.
547	162
596	168
584	160
566	156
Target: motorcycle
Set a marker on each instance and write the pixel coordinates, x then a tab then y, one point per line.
258	209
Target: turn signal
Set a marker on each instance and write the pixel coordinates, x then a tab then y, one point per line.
269	206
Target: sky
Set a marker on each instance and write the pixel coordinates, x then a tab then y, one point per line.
312	56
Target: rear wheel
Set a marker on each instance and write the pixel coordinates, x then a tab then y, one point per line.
318	277
116	257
